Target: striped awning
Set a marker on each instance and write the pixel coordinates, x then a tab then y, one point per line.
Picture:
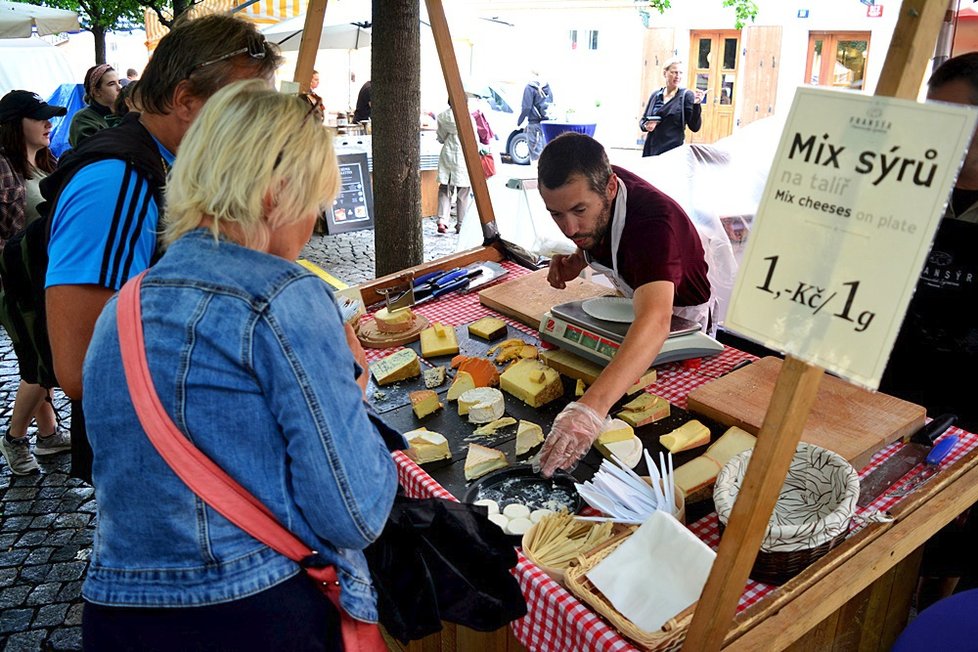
263	12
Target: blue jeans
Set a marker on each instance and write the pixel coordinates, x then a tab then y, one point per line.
534	138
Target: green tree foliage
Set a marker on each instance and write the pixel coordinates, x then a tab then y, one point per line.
101	16
744	10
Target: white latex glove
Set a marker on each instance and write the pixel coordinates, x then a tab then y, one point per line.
570	438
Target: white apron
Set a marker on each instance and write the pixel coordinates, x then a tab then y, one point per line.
700	314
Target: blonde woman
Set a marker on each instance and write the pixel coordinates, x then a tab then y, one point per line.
247	353
670	110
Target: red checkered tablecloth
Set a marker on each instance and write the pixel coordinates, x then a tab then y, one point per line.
556	620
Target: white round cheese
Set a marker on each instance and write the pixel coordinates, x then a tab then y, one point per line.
518	526
485	404
499	520
489	503
538	515
516	510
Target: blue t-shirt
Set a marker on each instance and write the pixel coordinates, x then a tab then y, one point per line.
104	227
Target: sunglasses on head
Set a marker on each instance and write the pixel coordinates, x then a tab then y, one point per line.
256	48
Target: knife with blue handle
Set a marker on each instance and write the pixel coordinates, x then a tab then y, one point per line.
934	459
920	448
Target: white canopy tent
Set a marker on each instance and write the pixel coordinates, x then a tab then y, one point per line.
32	64
339	36
19	20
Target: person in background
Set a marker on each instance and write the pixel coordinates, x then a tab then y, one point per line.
312	96
670	110
131	76
122	105
453	175
25	159
935	355
106	195
101	89
362	112
647	246
537	98
270	386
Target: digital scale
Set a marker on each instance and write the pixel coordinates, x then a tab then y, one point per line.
570	328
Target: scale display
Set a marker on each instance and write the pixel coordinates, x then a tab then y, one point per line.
570	328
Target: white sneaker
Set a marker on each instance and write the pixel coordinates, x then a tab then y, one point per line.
18	455
59	441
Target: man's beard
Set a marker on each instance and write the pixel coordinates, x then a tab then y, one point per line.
601	227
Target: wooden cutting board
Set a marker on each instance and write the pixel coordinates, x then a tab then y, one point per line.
525	299
849	420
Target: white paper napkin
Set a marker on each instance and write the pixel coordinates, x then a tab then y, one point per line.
656	573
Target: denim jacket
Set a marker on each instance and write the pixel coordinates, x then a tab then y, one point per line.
248	356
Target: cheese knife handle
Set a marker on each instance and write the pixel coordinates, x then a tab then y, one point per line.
928	434
941	449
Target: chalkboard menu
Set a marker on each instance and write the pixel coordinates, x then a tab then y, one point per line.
353	208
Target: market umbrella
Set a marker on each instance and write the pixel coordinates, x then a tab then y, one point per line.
343	36
18	20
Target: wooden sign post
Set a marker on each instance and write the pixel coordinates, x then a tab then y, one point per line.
312	31
912	45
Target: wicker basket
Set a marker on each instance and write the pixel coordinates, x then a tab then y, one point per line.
812	514
669	637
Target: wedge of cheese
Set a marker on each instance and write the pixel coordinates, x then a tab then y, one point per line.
647	379
483	372
433	377
616	430
398	321
481	460
401	365
424	402
698	475
482	404
579	388
532	382
491	427
427	446
528	436
463	383
488	328
645	408
689	435
438	340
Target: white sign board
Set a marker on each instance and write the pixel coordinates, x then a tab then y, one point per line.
855	194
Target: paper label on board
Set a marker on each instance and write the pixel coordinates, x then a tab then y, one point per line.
855	194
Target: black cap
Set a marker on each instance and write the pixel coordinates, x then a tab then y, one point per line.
25	104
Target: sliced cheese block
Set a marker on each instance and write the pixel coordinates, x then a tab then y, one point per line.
398	321
528	436
463	383
433	377
647	379
628	451
427	446
616	430
437	340
491	427
489	328
401	365
699	474
689	435
424	402
644	409
481	460
532	382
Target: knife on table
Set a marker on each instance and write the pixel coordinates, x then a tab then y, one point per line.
920	446
933	464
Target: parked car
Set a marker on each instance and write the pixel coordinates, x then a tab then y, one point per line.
504	102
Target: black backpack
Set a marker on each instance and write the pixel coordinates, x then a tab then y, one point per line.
24	262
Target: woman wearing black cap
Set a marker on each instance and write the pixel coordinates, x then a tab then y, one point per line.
101	89
25	159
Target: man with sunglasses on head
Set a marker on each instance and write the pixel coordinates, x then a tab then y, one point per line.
106	198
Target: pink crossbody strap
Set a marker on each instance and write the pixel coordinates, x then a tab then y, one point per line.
198	472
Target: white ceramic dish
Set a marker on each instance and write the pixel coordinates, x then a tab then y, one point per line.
616	309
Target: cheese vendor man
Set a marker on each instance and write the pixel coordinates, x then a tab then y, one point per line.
644	242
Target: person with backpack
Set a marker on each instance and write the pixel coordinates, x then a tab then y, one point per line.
107	195
25	159
537	98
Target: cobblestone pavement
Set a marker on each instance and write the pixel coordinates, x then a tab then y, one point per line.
48	518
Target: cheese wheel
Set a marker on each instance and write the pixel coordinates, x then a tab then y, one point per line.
398	321
482	404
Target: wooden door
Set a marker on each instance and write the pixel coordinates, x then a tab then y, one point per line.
713	64
762	60
659	46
